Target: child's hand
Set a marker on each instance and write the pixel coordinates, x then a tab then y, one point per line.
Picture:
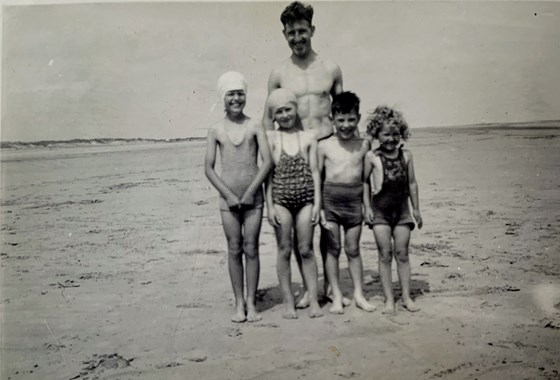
368	216
233	201
324	222
315	217
247	200
418	218
273	217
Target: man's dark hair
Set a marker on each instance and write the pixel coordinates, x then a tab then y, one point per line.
297	11
345	102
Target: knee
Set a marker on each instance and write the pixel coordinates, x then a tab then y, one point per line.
251	249
385	256
352	251
234	248
333	249
402	256
305	251
284	251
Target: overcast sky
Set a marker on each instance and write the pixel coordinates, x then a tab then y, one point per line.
150	69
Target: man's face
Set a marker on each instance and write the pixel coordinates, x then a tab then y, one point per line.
298	34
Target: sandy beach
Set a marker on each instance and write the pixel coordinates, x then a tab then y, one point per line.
114	266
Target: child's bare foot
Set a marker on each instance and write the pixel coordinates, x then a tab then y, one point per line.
363	304
315	310
239	315
410	305
337	307
303	301
252	315
345	301
289	313
389	308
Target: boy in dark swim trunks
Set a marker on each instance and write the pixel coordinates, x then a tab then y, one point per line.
388	212
293	196
342	158
240	187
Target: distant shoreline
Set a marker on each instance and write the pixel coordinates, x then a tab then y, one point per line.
534	125
90	142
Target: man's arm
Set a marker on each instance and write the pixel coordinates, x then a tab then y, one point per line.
273	84
337	81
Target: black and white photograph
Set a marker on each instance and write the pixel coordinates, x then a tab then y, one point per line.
280	190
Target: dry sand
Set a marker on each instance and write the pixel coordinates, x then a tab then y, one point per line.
114	267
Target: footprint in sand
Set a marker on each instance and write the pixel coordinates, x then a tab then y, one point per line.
234	333
101	363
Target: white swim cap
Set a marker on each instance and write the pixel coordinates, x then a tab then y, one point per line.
279	98
232	80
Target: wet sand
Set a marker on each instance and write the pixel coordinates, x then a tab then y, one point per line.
114	266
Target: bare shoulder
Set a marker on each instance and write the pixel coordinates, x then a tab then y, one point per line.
369	156
331	66
256	127
216	128
325	144
407	155
308	137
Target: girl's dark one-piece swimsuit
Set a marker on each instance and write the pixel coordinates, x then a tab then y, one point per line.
292	183
390	205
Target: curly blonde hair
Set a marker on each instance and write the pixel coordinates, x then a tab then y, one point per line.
385	115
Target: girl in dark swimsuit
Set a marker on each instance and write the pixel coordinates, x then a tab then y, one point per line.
388	210
293	197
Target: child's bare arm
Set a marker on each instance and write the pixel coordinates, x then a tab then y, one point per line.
413	189
209	163
262	173
316	180
368	168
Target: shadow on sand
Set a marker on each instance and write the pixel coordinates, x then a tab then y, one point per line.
268	298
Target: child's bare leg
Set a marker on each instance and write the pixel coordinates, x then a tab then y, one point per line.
283	269
332	268
382	233
303	302
323	247
252	228
231	222
352	248
323	244
304	231
401	235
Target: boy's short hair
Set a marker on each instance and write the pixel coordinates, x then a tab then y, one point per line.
297	11
385	115
345	102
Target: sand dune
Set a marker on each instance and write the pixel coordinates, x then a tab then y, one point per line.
114	267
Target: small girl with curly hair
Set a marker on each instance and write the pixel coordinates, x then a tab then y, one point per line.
387	210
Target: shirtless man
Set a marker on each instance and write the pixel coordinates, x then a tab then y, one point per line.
313	80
